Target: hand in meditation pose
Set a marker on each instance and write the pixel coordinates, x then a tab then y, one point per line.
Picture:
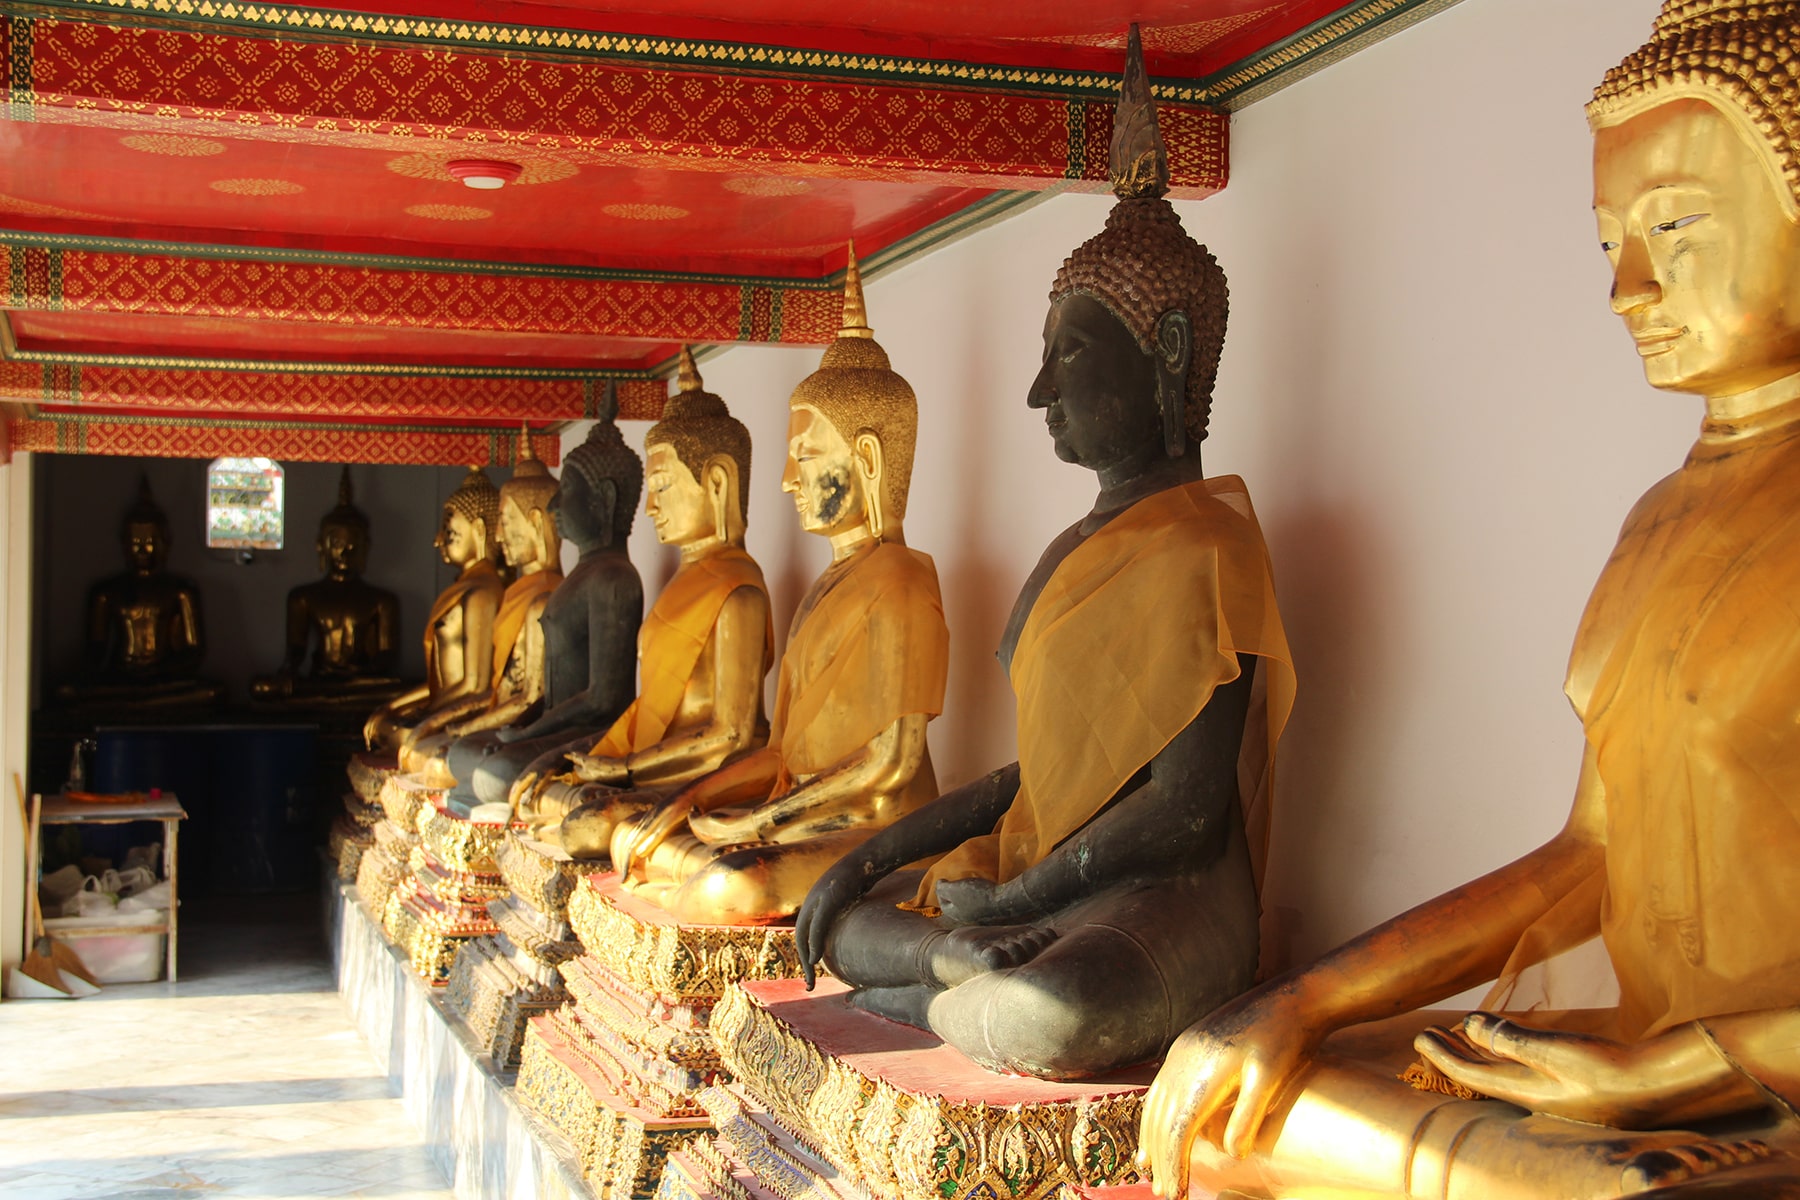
702	651
864	669
1099	894
1682	850
459	630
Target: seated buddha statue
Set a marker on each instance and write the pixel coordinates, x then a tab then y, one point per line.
590	625
350	626
1096	896
145	635
703	650
459	630
1682	851
863	673
532	548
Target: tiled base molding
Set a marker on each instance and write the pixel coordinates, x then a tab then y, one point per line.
474	1129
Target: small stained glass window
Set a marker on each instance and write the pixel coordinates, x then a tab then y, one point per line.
244	504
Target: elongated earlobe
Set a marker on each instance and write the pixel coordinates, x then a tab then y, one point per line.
1174	350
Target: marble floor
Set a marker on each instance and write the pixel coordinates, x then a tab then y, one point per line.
245	1079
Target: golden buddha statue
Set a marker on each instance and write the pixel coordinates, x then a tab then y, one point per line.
145	635
459	630
1680	851
350	626
702	651
864	670
1095	897
532	548
590	624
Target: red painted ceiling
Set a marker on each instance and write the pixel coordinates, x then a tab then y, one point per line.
71	178
130	143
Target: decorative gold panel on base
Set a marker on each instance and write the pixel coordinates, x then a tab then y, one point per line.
899	1115
347	843
646	947
367	772
502	980
381	868
622	1149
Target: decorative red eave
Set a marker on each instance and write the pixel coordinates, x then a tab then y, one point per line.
369	94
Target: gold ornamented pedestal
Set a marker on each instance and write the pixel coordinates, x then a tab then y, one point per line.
385	862
501	980
353	831
619	1069
442	900
833	1102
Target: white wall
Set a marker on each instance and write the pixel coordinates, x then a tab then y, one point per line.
15	689
1440	420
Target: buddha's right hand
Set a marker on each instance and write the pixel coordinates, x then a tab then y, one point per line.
848	880
597	768
1241	1055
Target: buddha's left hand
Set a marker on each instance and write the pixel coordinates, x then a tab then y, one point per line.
1635	1085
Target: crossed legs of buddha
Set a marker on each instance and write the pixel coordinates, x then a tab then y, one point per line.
703	884
1351	1109
1105	983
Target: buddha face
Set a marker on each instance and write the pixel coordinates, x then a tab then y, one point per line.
1706	259
520	540
676	502
146	546
460	540
343	550
577	515
1097	388
822	476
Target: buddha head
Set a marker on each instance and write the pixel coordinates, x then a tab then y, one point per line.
851	429
698	463
1137	314
528	531
1697	194
601	481
144	533
470	532
343	543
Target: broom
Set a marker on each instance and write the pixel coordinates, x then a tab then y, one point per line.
46	958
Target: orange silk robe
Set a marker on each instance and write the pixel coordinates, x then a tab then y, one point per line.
873	649
1124	646
1686	677
673	637
509	622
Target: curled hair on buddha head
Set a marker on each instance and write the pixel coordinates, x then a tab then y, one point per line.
144	510
476	499
858	391
1741	56
604	457
697	425
345	515
1143	264
532	485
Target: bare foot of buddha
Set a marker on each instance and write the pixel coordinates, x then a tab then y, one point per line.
972	950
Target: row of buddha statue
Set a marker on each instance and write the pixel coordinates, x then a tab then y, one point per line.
146	634
1094	905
